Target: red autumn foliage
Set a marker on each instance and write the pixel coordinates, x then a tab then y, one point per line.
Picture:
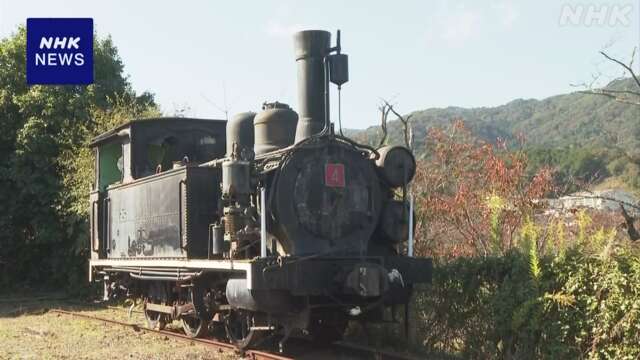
471	195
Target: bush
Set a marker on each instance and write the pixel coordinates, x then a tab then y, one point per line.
43	131
583	302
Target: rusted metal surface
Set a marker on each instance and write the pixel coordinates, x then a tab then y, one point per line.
353	351
252	354
175	310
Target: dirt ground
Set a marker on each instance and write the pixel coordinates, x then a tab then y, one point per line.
29	331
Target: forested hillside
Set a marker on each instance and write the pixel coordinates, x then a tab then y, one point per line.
584	135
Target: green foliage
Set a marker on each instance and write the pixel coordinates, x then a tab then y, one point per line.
44	231
583	221
586	165
557	229
582	304
534	260
496	205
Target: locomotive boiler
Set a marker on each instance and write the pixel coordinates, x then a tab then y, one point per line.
264	225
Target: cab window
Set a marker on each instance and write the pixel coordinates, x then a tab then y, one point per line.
111	164
162	153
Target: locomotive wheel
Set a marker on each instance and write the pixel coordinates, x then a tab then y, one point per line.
238	324
194	327
155	319
156	293
196	324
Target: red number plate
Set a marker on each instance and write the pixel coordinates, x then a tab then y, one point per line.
334	175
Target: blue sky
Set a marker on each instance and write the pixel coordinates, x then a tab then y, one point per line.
421	54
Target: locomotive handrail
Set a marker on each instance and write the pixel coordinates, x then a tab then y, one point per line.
410	240
183	243
263	222
95	241
107	224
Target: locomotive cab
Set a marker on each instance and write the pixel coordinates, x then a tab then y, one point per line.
142	169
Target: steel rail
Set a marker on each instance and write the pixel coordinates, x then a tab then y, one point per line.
363	351
251	354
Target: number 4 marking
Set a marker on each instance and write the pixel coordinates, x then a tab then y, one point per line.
334	175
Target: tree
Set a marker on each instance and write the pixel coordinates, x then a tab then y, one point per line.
37	125
473	196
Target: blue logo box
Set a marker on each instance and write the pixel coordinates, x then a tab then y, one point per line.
59	51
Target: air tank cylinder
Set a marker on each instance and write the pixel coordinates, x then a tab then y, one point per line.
311	47
275	127
236	168
240	132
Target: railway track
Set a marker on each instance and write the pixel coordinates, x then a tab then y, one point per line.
218	345
341	350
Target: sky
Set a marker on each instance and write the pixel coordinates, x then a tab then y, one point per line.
205	57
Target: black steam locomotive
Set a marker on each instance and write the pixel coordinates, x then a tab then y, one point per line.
265	224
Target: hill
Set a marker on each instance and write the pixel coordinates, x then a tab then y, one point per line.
567	120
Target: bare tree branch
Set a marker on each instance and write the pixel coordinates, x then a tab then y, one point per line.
384	113
627	67
631	97
405	124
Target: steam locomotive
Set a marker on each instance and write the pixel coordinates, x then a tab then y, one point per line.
264	225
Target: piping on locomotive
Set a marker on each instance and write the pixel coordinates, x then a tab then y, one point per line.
267	224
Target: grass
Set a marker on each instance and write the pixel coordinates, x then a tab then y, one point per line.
29	331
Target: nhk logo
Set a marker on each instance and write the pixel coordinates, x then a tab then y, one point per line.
54	58
59	51
596	15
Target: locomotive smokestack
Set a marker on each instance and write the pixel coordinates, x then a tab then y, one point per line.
311	47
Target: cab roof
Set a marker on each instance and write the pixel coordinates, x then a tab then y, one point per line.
148	121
